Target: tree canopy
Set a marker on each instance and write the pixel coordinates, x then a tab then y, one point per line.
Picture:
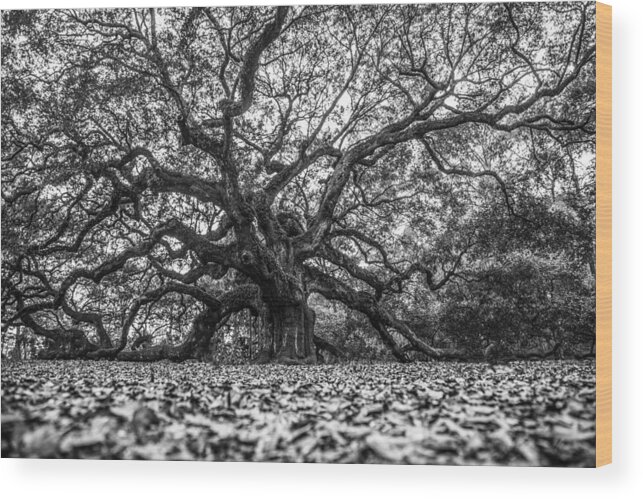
179	166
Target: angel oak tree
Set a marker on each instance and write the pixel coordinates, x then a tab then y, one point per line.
186	164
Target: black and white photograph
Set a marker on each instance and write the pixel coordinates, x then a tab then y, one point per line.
300	234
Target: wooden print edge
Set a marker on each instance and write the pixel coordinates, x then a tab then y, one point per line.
603	234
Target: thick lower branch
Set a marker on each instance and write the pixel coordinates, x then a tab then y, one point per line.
205	325
380	318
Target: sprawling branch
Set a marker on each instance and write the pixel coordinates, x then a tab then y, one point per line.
203	328
246	78
381	319
417	125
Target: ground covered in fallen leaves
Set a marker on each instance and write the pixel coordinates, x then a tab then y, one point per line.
522	413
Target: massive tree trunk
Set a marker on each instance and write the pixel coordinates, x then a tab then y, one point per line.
288	322
288	333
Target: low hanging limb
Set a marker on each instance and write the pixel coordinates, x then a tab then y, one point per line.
381	319
203	328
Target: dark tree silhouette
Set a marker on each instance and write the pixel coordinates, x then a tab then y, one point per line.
187	164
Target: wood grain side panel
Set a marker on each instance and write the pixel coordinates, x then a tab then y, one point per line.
603	234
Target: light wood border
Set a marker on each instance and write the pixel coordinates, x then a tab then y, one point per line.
603	234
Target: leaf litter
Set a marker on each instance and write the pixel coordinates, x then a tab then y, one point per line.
522	413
